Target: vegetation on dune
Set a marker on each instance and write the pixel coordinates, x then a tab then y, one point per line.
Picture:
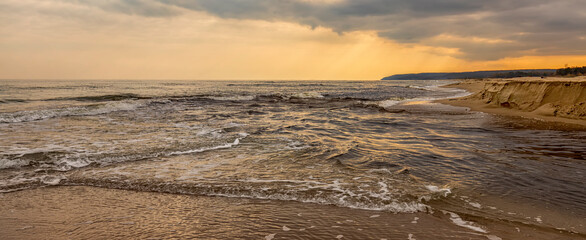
515	74
562	72
571	71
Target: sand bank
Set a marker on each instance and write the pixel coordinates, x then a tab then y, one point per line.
551	99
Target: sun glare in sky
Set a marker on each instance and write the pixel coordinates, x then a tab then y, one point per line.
303	39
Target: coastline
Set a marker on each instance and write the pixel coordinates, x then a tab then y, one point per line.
91	212
224	165
553	99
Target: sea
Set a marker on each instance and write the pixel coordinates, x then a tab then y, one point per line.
280	159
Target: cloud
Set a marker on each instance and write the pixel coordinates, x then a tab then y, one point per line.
518	27
477	29
150	8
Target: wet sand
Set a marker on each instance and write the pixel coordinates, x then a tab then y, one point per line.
98	213
559	100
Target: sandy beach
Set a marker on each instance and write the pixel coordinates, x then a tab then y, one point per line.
98	213
554	99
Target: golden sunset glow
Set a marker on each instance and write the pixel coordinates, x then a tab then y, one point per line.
72	40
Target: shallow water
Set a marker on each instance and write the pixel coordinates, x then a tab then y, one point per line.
101	213
378	146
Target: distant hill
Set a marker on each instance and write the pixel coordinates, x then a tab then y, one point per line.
478	74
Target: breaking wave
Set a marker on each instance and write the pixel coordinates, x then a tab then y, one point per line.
63	161
286	190
108	97
35	115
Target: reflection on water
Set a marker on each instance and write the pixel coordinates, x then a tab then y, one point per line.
380	146
96	213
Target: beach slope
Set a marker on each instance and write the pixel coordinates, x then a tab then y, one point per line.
551	99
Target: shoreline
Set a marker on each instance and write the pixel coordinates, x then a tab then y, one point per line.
89	212
558	100
86	212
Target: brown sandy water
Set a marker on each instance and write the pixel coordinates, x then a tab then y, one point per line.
98	213
248	157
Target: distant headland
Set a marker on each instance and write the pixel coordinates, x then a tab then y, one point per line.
474	75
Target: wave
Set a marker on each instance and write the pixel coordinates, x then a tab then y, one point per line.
384	105
233	98
418	87
388	103
317	193
98	98
38	168
13	163
97	109
102	98
381	195
290	96
5	101
276	96
396	105
307	95
59	159
228	145
457	220
131	96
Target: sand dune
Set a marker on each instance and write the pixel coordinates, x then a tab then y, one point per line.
552	99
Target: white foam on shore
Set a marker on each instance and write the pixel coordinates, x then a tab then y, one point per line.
538	219
17	152
68	164
457	93
456	219
52	180
74	157
475	204
493	237
388	103
435	189
334	193
89	110
307	95
228	145
234	98
340	195
454	93
395	207
12	163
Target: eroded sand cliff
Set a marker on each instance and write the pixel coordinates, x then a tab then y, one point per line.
558	99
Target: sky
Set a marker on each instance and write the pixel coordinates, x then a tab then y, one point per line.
284	39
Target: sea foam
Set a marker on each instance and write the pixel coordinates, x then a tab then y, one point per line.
88	110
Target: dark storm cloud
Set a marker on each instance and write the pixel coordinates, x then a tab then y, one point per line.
522	27
149	8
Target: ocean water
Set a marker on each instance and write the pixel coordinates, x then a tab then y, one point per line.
378	146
